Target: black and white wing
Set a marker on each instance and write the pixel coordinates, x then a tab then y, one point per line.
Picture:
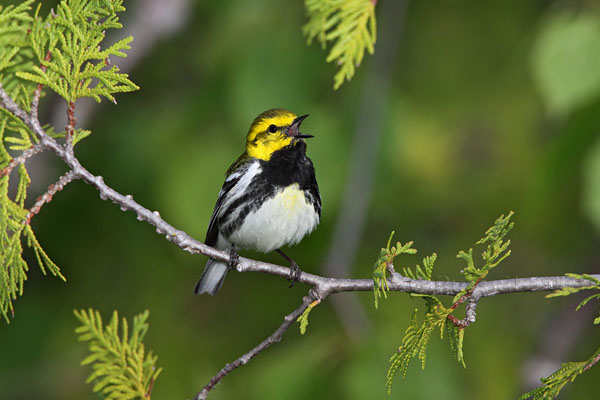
212	233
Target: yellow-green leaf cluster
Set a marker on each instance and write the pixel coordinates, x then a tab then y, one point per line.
68	47
415	341
567	373
62	51
14	228
349	25
16	55
380	268
568	291
422	273
437	316
495	252
122	369
456	336
303	319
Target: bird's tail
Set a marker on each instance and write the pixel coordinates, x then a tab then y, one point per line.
212	278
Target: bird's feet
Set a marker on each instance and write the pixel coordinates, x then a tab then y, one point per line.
295	272
234	258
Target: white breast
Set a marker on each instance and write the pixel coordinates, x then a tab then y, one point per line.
282	220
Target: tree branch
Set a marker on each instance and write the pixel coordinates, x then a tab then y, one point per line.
322	287
592	363
25	155
63	181
275	337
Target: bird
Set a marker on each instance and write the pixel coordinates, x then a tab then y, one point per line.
270	197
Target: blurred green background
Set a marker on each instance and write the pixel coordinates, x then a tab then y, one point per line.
488	107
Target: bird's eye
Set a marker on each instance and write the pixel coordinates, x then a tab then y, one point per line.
272	128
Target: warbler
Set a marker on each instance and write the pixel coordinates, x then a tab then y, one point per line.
270	197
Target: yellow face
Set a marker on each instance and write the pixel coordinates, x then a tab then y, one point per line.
268	133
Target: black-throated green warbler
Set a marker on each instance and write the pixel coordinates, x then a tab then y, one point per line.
270	197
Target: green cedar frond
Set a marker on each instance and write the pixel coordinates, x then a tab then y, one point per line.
386	258
5	158
496	249
495	252
23	137
44	261
80	134
63	51
414	343
24	181
567	373
422	274
303	319
425	274
13	267
13	226
78	66
568	291
121	368
348	24
456	336
15	22
417	336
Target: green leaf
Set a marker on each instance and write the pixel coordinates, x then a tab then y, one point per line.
65	52
303	319
78	66
567	373
566	60
79	135
121	369
456	336
422	273
569	291
495	252
415	341
13	229
349	24
380	268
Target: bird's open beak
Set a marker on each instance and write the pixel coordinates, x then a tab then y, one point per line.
294	129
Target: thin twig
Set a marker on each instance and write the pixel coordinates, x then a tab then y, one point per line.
275	337
35	102
70	128
469	318
63	181
472	303
25	155
592	363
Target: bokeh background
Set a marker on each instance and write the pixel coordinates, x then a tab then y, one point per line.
467	110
